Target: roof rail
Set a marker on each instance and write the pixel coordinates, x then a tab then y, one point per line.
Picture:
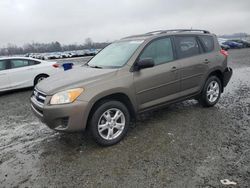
177	30
167	31
134	36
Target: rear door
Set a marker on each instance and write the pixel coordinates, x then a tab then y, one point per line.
160	83
4	75
194	64
21	73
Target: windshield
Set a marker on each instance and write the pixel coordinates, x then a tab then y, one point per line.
115	55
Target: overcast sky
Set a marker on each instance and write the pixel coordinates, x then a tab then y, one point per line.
71	21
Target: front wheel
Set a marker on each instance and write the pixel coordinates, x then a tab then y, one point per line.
109	123
211	92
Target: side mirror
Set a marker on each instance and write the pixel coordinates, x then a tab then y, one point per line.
144	63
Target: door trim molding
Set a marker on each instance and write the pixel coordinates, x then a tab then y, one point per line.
159	86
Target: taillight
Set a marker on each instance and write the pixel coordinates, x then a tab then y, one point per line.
224	52
56	65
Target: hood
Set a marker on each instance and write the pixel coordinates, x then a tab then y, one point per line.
78	77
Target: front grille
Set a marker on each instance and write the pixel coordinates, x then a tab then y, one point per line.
39	96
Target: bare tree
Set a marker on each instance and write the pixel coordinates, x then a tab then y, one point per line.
88	42
35	47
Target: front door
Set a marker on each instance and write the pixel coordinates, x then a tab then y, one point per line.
160	83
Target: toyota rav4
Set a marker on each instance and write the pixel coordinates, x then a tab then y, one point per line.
130	76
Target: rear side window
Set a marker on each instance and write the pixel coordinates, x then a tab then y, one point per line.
160	51
16	63
187	46
208	42
34	62
3	65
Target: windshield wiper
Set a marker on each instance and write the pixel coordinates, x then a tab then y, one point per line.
97	67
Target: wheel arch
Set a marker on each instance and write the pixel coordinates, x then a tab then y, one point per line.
216	71
37	76
121	97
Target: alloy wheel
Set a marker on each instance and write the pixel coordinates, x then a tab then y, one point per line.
213	91
111	124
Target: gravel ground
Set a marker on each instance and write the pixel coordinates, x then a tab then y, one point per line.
183	145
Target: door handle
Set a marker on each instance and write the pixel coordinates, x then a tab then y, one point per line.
30	69
173	69
206	61
2	74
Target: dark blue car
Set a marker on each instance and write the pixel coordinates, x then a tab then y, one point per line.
233	45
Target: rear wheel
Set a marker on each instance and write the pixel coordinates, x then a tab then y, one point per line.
39	78
211	92
109	123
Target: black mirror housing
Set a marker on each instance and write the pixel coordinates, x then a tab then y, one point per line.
144	63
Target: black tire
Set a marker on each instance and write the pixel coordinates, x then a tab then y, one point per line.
204	98
40	78
96	118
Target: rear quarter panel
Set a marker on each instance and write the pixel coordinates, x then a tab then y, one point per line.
218	62
46	68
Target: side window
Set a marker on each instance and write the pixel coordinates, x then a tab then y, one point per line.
160	51
208	42
17	63
187	46
3	65
34	62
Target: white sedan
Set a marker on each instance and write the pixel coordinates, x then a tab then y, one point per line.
22	72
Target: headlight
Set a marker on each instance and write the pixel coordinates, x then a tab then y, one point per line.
67	96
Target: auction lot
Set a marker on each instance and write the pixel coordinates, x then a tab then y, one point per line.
183	145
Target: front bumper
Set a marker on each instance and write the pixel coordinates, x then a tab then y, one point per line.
66	117
227	76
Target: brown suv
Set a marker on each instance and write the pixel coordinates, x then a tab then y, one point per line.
130	76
